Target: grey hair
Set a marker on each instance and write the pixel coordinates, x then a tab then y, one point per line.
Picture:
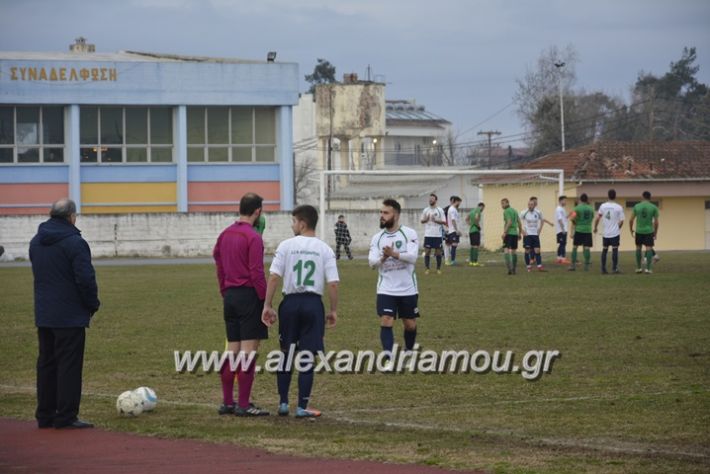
63	208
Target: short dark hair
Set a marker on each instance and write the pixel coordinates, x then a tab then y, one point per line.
646	195
584	197
393	204
341	216
451	199
249	203
455	199
308	214
611	194
533	198
435	196
561	198
63	208
480	204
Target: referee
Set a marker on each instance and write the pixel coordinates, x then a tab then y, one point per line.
304	262
239	256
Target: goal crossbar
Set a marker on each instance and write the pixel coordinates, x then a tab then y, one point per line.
321	233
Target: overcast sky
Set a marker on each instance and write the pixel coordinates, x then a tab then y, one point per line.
459	58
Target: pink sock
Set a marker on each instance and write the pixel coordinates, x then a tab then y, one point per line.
246	380
227	377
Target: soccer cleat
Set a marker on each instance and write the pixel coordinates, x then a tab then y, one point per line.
283	409
617	271
253	410
426	272
656	259
226	409
540	268
604	272
447	263
572	269
586	267
566	261
454	263
528	268
438	272
307	413
639	270
647	271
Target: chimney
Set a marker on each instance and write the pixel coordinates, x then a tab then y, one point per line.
350	78
81	46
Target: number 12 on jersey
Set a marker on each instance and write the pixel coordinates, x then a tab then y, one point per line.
309	266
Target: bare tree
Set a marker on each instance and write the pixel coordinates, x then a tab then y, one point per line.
305	174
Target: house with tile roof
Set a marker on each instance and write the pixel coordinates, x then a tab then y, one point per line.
676	173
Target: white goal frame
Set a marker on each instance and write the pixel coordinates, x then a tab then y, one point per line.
457	172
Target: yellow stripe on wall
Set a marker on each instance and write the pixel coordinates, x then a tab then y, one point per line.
133	197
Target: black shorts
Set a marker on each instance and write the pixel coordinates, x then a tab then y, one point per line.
510	241
302	322
432	242
242	315
531	241
644	239
562	237
475	238
403	307
583	238
452	238
611	241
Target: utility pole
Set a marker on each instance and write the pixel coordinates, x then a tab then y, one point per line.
489	133
559	65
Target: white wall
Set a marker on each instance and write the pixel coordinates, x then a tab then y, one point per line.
178	235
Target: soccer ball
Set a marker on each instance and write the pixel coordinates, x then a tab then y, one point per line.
129	403
148	397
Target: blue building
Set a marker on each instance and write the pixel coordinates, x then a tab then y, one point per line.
140	132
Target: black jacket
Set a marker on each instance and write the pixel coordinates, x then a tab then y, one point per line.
66	295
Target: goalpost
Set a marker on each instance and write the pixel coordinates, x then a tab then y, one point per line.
557	175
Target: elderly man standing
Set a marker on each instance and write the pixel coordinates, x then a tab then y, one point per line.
66	297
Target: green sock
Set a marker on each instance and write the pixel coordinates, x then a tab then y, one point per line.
649	258
638	258
508	261
515	260
587	256
470	255
574	256
474	255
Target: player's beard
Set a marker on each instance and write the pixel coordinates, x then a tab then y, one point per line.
386	224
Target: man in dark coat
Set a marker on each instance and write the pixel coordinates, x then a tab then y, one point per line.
66	297
342	237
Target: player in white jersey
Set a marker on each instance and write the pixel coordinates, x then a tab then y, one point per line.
433	219
305	263
454	229
613	215
393	252
561	228
532	221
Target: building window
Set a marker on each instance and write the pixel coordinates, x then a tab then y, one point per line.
231	134
31	134
126	134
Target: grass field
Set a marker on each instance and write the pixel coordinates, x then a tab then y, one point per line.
631	392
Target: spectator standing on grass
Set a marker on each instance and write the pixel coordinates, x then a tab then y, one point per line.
65	298
239	257
342	237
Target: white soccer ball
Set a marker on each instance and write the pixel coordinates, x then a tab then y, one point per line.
129	403
148	397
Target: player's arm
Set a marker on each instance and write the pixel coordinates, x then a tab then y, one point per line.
631	224
268	315
332	316
596	221
506	227
520	226
217	255
572	228
425	217
374	258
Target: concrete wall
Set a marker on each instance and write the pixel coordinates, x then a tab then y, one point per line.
179	235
